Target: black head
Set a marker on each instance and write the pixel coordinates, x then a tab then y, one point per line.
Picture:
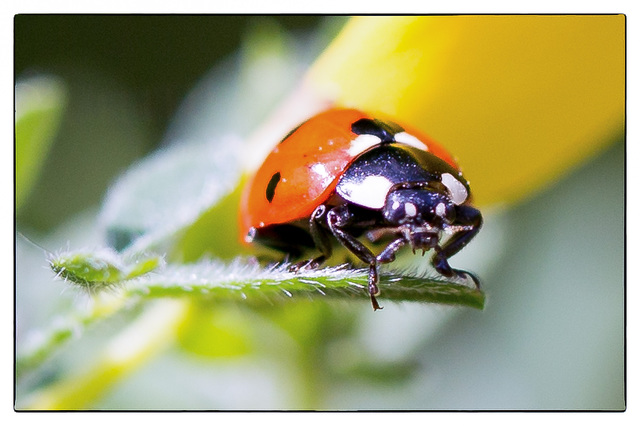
419	207
420	214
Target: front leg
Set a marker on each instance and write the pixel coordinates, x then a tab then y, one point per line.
472	219
388	255
337	219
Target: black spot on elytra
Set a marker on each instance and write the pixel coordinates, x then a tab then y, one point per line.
381	129
271	186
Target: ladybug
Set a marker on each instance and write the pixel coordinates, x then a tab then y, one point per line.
342	175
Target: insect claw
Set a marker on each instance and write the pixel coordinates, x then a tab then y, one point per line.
374	303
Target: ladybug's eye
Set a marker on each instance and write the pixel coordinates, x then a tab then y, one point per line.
397	211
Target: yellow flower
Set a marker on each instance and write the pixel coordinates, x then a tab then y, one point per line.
518	99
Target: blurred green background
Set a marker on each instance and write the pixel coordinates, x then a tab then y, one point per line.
550	337
125	77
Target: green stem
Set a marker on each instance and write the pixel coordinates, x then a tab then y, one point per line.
149	334
61	331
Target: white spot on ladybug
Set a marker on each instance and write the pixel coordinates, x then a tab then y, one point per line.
408	139
362	143
370	192
410	209
441	209
457	190
395	205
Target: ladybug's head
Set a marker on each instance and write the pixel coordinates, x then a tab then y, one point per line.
420	207
421	213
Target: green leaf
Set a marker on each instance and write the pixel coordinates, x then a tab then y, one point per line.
240	281
101	269
248	282
40	102
214	233
168	191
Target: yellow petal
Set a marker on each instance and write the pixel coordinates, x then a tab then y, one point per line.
518	100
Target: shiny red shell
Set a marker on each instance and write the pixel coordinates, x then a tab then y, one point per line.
303	170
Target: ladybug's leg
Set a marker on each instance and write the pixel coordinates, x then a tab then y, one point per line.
319	235
320	239
472	219
338	218
388	255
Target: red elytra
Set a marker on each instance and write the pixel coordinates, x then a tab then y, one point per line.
302	171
